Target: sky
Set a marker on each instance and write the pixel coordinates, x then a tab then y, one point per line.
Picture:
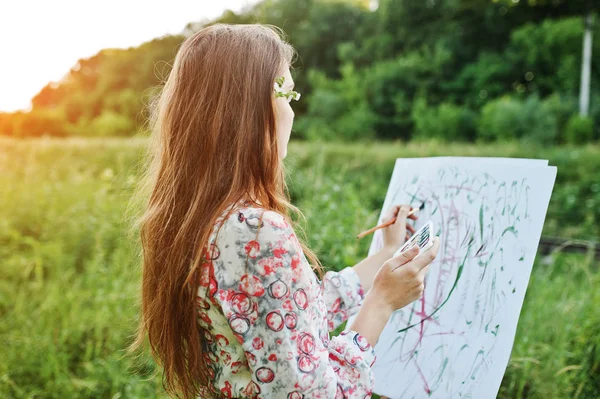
41	40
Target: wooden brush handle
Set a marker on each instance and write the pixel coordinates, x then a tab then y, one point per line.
382	225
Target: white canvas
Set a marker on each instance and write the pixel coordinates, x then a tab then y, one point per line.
455	341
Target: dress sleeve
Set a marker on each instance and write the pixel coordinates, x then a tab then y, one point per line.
277	312
343	295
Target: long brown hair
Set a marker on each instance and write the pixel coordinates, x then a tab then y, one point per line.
213	142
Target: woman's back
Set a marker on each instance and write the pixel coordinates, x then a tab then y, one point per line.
265	316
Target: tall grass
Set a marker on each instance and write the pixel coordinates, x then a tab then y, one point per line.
69	272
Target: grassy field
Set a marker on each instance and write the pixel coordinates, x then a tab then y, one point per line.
69	271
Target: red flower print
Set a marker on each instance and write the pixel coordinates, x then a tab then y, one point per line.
278	289
335	306
225	357
296	267
204	317
226	295
235	367
275	321
253	249
212	287
251	390
251	358
202	303
239	324
351	359
251	285
208	337
361	342
290	320
339	393
279	252
257	343
269	265
279	223
301	299
273	357
222	340
211	373
306	343
265	374
207	358
241	304
287	305
306	364
226	390
214	253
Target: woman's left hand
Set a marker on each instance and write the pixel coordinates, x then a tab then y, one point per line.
397	233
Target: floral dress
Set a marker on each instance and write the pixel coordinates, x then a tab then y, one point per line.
266	317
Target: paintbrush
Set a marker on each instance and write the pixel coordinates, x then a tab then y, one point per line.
390	222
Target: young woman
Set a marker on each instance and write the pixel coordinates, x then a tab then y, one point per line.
230	299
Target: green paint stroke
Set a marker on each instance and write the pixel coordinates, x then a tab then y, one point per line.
458	274
441	372
480	353
481	222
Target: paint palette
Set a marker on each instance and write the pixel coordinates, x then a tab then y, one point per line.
422	237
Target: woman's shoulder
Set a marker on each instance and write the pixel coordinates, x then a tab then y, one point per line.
246	218
254	235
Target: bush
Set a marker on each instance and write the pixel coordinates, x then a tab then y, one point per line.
551	50
447	121
38	123
6	124
563	107
392	85
337	109
501	119
110	123
579	130
531	120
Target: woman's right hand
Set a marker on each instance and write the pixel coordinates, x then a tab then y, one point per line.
400	280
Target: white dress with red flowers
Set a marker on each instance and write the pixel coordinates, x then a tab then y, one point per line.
266	317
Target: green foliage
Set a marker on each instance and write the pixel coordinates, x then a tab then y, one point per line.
110	123
509	118
562	107
447	121
374	64
392	84
550	52
549	358
39	123
487	78
579	130
337	110
68	277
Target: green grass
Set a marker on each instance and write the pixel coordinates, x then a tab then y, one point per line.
69	273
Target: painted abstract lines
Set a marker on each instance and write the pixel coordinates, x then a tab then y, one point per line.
455	341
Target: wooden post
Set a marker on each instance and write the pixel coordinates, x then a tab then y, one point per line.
586	67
